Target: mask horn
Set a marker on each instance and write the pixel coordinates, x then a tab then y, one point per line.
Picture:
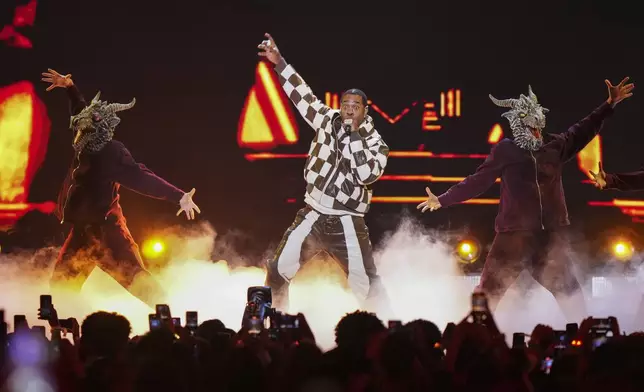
96	97
532	95
504	103
118	107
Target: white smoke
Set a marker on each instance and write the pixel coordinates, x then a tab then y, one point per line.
418	269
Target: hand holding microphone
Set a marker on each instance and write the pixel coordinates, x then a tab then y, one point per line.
348	125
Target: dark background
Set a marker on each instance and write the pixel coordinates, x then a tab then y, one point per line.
190	65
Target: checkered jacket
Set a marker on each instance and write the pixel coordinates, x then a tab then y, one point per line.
341	165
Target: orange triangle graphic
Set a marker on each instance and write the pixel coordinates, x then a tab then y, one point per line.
589	158
254	127
496	133
267	119
15	138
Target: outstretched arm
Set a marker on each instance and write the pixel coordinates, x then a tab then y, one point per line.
633	181
478	182
314	111
138	178
580	134
472	186
368	155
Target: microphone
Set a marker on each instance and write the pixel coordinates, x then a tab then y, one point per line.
347	124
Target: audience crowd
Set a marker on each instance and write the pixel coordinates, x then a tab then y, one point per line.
471	355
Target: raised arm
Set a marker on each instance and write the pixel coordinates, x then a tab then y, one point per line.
369	153
314	111
76	101
580	134
472	186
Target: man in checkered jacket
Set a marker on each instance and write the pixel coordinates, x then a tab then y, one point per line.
346	156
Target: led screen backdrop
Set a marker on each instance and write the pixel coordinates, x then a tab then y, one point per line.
268	121
209	115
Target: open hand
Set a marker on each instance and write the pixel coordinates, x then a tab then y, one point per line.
269	50
188	206
617	94
56	79
599	178
431	204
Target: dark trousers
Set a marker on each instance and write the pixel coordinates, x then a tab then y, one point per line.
545	254
111	247
344	237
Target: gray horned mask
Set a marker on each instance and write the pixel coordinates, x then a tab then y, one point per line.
94	125
527	119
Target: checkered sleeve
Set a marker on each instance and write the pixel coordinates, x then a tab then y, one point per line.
310	107
368	157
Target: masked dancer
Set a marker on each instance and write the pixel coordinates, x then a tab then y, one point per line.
532	219
89	199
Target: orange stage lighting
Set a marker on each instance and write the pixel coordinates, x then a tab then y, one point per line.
24	16
468	251
384	115
420	199
411	200
430	116
24	133
422	177
394	154
622	249
153	248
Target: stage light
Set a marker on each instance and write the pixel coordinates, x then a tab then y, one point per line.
622	249
153	248
468	251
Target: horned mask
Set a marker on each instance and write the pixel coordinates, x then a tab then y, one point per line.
527	119
94	125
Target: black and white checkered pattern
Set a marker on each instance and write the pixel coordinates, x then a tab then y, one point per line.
341	165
